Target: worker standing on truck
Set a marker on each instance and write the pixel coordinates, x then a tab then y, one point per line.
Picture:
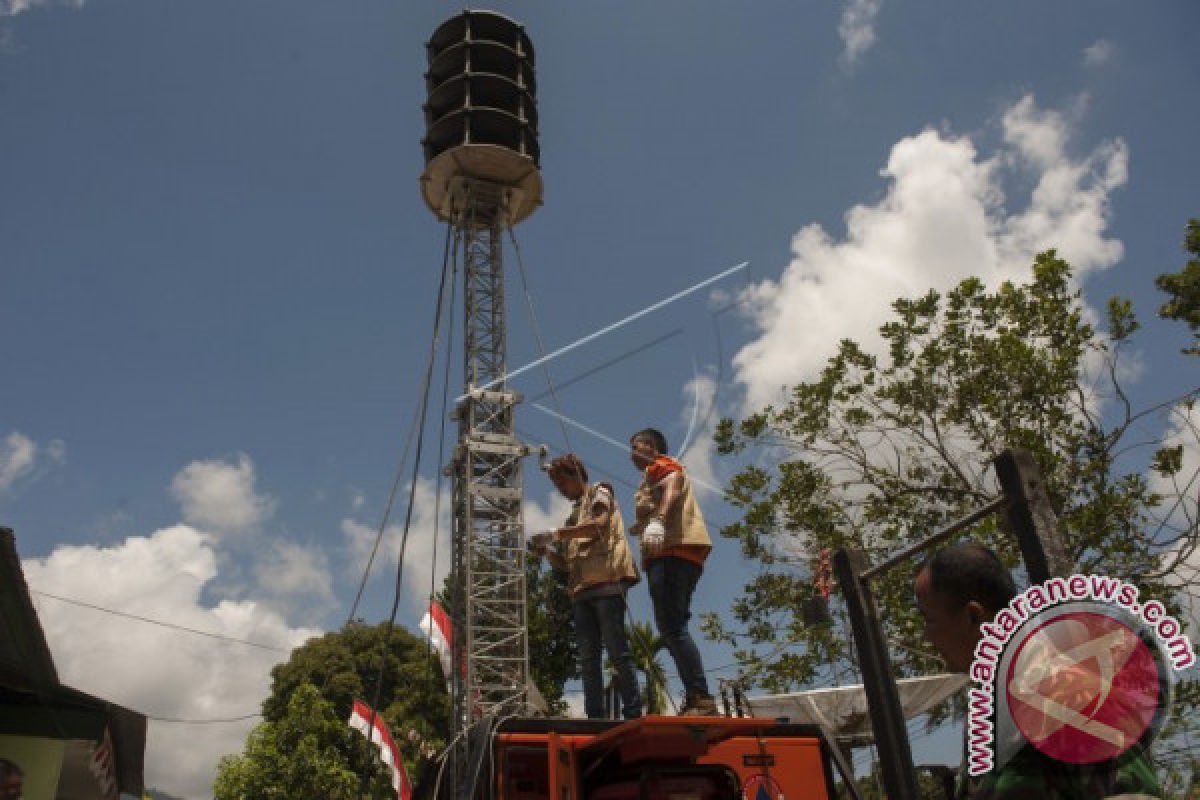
959	589
595	555
674	544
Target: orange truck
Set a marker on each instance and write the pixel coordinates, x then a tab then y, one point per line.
659	758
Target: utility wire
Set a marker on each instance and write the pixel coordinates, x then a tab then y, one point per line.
437	498
412	490
160	623
419	416
362	584
202	721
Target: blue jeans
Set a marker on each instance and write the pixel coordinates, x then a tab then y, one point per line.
602	620
672	583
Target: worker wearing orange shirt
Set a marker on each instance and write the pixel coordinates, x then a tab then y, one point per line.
674	544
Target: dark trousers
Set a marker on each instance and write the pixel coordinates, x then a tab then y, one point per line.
672	583
601	621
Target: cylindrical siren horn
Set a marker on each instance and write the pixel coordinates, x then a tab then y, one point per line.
481	113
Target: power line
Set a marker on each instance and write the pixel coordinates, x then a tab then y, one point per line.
427	382
418	422
160	623
178	721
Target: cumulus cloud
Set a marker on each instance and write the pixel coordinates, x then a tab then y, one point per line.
1098	53
160	671
552	515
22	459
943	217
221	496
697	451
359	539
857	29
1180	512
292	572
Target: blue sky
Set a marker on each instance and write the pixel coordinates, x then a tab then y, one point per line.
217	274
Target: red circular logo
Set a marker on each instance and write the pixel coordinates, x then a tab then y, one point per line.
761	787
1083	687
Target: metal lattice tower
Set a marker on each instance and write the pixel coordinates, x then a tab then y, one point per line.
489	552
481	177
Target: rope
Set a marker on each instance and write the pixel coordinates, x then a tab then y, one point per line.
537	334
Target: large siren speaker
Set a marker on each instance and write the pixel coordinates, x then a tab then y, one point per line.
481	118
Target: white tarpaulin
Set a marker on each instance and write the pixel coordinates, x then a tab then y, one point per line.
844	709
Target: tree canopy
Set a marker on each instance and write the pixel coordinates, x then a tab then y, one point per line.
1183	287
888	444
305	748
307	751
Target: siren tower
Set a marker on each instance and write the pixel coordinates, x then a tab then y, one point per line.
482	177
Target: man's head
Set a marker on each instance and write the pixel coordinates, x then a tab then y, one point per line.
11	780
958	589
645	446
569	476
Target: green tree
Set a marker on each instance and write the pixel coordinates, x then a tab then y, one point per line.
646	644
551	622
881	450
1183	287
307	751
346	664
305	748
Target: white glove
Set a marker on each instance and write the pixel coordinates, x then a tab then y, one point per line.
653	536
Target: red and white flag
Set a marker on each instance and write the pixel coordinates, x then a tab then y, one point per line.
436	625
360	719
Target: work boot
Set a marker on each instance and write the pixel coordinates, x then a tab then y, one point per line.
699	705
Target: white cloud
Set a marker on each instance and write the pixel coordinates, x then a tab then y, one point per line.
220	496
540	518
857	29
17	454
22	459
943	218
294	572
156	670
1180	512
1098	53
359	538
10	8
697	451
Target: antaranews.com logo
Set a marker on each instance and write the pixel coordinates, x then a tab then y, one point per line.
1079	667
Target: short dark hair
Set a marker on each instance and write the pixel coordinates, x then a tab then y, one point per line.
8	769
967	572
569	465
654	435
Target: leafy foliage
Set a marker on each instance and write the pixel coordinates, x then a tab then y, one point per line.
306	751
552	650
1183	287
646	644
346	664
879	451
305	748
